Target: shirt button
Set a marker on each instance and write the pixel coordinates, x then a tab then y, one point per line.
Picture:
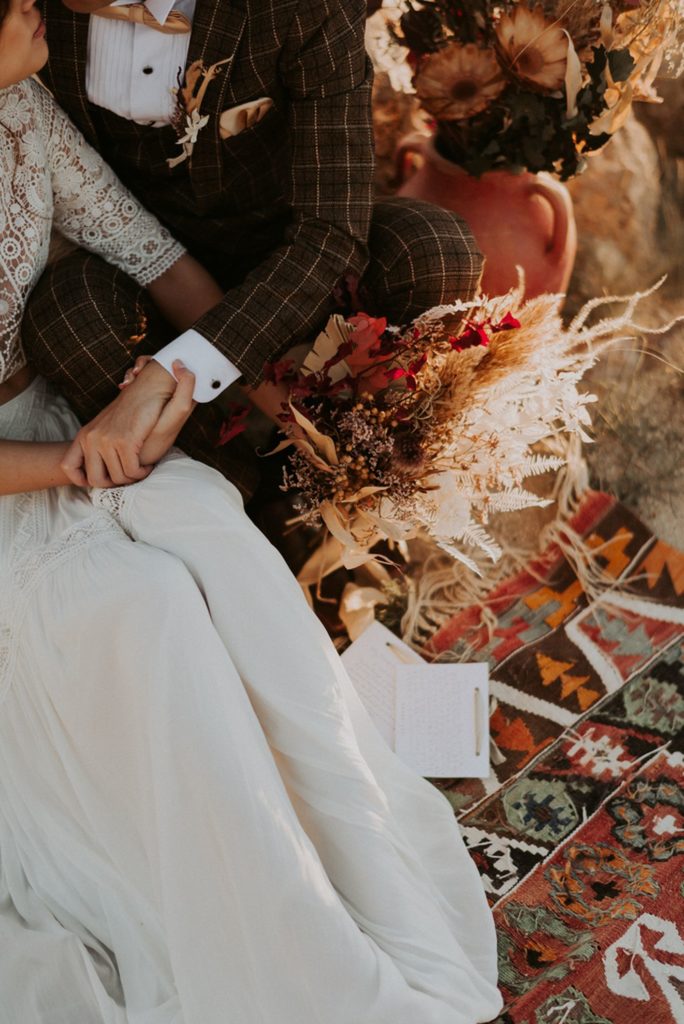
216	384
147	70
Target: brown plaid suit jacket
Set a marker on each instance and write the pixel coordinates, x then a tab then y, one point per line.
280	210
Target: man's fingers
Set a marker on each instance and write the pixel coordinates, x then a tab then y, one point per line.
96	471
72	464
113	466
130	462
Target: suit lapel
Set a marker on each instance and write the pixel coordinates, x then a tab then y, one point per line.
65	75
216	34
217	29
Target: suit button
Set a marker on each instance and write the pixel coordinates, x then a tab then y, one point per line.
216	384
147	70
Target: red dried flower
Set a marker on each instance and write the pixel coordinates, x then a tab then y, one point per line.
274	373
509	323
473	335
234	425
364	342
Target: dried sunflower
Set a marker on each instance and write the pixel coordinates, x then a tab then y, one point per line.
458	81
533	48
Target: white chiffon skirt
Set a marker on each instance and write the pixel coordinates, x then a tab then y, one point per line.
199	824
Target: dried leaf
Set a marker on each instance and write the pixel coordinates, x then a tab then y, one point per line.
357	608
187	92
326	559
573	79
335	334
305	446
325	445
363	493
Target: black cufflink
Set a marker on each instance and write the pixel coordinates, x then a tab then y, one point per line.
216	384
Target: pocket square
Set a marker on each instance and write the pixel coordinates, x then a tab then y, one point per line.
236	119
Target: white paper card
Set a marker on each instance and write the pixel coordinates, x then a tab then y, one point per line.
371	662
442	719
435	717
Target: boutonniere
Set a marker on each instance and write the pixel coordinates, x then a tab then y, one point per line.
188	119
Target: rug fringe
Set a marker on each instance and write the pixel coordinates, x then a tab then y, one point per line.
444	589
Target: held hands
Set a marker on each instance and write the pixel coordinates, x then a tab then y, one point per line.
122	444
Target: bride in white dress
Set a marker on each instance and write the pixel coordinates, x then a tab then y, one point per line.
199	824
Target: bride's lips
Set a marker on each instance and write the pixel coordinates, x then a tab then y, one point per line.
40	31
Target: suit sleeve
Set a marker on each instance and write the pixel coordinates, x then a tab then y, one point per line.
328	79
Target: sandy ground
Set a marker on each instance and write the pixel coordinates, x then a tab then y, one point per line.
638	454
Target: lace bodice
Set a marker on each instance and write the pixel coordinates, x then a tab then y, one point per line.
49	175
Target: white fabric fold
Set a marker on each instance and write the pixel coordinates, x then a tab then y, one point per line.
198	820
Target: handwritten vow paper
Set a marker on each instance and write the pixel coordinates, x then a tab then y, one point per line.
435	717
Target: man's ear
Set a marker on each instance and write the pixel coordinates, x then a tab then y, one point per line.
86	6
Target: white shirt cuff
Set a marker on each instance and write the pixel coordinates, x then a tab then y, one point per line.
213	372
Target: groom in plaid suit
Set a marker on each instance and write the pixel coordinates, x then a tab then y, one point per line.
268	184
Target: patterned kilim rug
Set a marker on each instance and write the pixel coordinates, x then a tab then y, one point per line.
579	834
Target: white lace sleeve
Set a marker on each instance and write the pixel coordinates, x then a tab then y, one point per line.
92	207
15	267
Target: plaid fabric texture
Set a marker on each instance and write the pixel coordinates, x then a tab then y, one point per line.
86	322
83	314
280	212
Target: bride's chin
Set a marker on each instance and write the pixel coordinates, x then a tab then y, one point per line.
41	54
37	59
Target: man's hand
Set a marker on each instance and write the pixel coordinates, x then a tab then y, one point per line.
111	450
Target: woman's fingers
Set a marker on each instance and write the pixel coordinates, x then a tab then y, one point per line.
133	371
73	465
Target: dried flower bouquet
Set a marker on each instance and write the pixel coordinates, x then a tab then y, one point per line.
537	86
427	430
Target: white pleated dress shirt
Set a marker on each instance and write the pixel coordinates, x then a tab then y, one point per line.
132	70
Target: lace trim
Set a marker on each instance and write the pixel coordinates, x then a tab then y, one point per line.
112	500
29	571
118	501
166	260
49	174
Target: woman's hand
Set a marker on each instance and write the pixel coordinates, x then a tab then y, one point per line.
108	451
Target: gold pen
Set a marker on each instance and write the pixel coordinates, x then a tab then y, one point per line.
478	723
403	656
